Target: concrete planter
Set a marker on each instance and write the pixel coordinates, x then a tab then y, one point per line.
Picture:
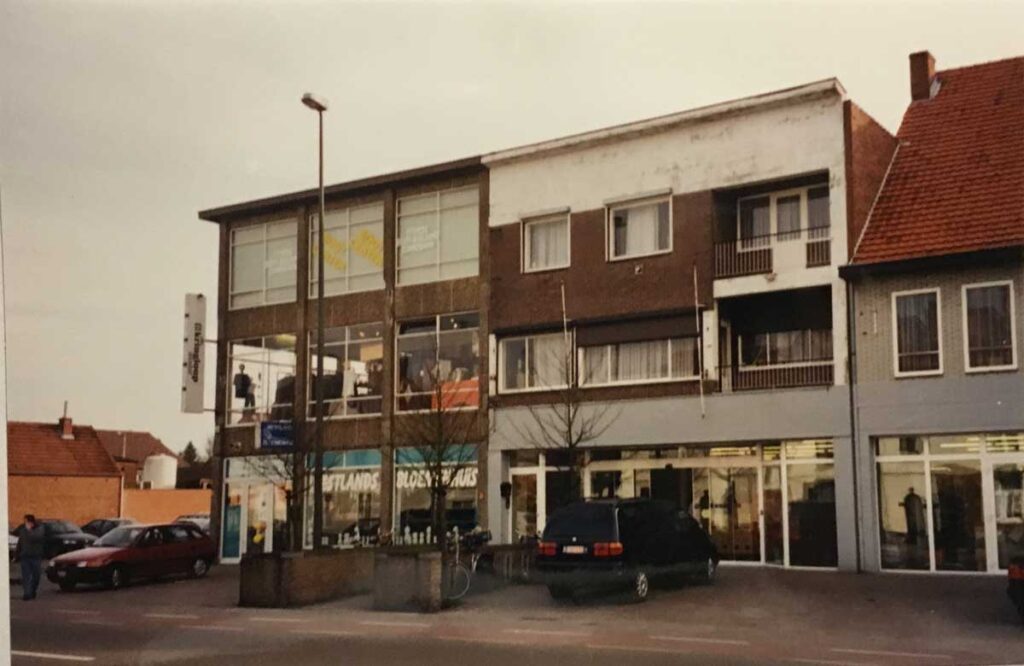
280	580
407	579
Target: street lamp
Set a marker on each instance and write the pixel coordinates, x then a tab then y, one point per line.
319	104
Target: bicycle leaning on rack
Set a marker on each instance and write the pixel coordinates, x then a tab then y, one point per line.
458	575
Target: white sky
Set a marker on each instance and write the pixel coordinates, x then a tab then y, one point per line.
120	120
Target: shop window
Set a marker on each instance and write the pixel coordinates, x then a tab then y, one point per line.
639	229
439	363
353	250
533	362
916	317
413	496
351	499
812	515
546	243
263	264
353	380
438	236
903	515
989	326
899	446
262	379
641	362
957	520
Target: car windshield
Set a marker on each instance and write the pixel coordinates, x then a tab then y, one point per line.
584	521
120	537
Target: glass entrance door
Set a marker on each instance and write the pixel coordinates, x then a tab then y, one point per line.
727	505
1008	514
524	506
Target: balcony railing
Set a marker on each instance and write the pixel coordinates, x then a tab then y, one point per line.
789	375
800	248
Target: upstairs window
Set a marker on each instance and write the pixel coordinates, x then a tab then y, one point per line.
353	250
263	264
353	370
534	362
918	348
546	243
639	229
439	363
988	326
438	236
787	215
641	362
262	379
803	347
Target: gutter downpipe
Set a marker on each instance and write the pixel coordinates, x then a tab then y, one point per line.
851	360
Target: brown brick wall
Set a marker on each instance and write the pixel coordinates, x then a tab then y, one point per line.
869	150
75	498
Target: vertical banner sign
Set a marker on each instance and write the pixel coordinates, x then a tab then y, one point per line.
193	365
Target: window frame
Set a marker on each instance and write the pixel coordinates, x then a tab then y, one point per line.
311	385
481	348
968	368
581	364
437	263
260	417
804	233
503	390
609	231
894	298
347	277
232	244
771	363
527	223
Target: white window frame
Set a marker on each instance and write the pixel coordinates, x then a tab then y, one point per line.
502	388
896	338
968	368
581	364
347	226
609	230
437	248
311	385
527	223
263	290
804	233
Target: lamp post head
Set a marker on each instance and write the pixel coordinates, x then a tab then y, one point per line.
315	102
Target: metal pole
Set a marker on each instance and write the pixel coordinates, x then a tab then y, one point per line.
318	475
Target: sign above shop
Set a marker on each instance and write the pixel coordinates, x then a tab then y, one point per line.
276	435
193	364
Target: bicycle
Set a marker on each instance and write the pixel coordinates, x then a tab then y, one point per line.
458	576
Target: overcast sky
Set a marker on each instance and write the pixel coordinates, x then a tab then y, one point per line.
120	120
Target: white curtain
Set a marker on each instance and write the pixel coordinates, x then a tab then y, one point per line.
548	360
641	230
549	243
642	360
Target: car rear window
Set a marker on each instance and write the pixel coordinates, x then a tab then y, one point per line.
119	537
584	521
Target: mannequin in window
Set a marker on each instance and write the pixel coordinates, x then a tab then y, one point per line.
244	387
913	509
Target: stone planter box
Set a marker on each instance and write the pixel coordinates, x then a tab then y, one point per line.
280	580
407	579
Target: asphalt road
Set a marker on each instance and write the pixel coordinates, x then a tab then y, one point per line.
749	616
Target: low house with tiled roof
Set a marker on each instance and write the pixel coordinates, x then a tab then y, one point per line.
60	470
937	281
129	449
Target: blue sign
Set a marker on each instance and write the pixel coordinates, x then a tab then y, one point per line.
276	435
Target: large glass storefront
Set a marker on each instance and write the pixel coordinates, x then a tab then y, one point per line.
255	509
950	502
770	503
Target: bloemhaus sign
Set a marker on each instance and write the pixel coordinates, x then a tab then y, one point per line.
368	480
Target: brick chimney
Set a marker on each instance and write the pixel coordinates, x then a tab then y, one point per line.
66	431
922	73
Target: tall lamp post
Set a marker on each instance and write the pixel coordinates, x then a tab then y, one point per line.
319	104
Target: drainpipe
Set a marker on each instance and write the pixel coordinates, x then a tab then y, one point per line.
851	363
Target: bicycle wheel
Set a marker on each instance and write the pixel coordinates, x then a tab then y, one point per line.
458	579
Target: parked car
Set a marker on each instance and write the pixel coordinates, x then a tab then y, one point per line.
101	526
200	520
622	544
61	536
1015	586
136	551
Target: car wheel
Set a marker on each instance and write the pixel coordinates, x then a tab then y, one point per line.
199	568
67	586
707	573
118	578
641	587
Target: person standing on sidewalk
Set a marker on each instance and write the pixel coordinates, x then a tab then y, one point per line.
31	537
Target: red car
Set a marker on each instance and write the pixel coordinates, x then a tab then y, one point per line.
135	551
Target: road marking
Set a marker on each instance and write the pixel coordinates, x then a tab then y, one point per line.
827	662
695	639
546	632
72	611
206	627
626	648
383	623
172	616
276	620
50	655
323	632
884	653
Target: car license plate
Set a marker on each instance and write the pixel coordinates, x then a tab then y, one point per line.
61	573
574	550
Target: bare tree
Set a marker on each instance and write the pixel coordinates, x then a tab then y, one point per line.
440	439
566	421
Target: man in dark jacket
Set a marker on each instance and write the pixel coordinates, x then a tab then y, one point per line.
31	538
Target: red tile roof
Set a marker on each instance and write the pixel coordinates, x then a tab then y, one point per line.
37	448
956	183
132	445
